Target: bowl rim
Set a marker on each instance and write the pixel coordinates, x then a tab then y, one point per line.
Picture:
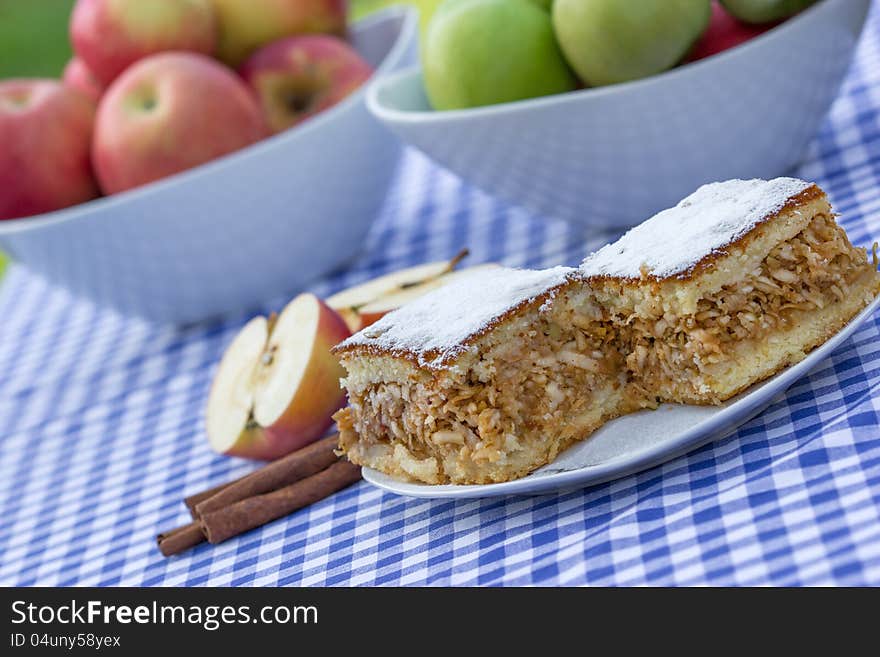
408	17
393	115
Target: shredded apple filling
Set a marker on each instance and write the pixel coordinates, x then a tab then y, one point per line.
522	386
808	272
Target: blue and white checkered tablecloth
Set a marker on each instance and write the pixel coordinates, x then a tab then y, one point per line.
101	436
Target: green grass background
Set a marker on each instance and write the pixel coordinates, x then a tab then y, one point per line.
34	41
33	37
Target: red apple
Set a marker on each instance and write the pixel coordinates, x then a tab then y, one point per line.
246	25
78	76
724	32
110	35
298	77
277	385
45	132
168	113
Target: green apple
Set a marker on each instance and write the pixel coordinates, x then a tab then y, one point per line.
609	41
764	11
482	52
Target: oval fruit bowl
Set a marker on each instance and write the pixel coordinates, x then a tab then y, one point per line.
612	156
239	230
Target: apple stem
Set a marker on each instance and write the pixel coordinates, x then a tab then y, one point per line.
461	255
273	317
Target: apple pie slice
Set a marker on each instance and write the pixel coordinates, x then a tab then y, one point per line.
492	376
736	282
482	380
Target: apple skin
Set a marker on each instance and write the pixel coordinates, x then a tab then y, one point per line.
369	318
608	41
724	32
110	35
310	413
298	77
161	116
482	52
765	11
319	396
45	132
246	25
77	76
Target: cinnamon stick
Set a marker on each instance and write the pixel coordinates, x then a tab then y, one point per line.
295	466
298	464
180	539
281	487
193	500
224	523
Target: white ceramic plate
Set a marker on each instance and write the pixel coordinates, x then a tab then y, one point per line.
635	442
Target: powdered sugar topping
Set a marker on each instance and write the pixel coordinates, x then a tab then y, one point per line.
435	327
672	242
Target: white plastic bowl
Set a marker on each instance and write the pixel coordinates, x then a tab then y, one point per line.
242	229
613	156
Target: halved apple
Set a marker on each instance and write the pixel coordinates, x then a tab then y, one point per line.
348	302
373	311
277	385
